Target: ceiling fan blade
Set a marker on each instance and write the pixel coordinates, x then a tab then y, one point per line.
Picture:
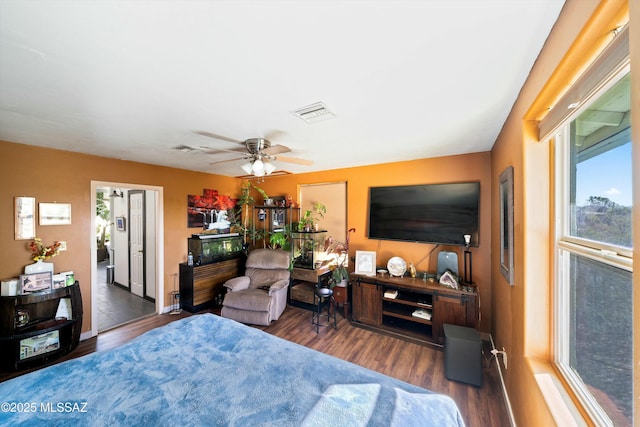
276	149
294	160
210	150
216	136
228	160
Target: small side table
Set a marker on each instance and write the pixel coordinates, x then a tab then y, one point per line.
341	296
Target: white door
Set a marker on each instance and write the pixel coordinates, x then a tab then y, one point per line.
136	242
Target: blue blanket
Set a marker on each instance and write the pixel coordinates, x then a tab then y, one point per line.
207	370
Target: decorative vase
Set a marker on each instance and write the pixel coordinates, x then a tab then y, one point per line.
38	267
22	318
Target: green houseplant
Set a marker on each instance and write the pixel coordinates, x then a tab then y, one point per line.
242	214
310	217
280	239
102	211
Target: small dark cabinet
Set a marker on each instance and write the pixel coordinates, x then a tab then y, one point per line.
367	307
200	285
30	332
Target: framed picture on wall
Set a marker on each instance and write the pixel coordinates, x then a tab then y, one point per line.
55	213
121	223
506	225
25	218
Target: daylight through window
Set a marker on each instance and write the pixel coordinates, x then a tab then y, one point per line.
593	290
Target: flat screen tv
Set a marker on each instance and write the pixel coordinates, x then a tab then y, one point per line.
429	213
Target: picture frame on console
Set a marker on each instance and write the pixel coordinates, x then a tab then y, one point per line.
36	282
366	263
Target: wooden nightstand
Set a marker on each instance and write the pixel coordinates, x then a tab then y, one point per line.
341	296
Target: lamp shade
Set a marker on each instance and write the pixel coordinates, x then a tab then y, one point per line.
247	167
258	166
268	168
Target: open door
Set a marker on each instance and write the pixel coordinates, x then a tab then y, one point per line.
137	248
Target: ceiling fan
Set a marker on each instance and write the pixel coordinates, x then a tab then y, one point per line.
259	153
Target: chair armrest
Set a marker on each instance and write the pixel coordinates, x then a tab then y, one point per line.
237	283
277	286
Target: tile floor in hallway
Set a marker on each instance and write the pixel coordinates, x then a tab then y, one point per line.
117	305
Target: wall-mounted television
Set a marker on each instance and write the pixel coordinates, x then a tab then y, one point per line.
428	213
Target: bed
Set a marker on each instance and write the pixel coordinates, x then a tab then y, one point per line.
208	370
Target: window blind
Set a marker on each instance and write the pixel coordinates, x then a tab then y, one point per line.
613	59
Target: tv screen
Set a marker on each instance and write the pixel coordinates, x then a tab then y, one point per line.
430	213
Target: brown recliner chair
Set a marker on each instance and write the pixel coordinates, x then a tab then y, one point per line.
260	296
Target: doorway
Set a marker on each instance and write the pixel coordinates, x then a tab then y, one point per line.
127	285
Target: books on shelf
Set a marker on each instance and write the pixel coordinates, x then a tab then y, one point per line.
422	314
391	293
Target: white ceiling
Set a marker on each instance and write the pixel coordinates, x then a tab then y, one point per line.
131	79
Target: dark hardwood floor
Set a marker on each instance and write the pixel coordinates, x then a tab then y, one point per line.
407	361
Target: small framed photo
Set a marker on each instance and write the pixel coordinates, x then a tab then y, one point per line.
366	263
121	223
36	282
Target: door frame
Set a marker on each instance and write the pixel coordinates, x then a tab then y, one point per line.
159	230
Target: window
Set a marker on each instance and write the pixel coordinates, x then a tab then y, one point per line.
593	323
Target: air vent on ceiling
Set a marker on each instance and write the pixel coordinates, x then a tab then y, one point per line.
314	113
184	148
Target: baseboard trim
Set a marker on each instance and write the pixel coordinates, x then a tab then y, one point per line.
507	402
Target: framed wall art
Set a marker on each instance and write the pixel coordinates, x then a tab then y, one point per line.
25	218
54	213
506	224
121	223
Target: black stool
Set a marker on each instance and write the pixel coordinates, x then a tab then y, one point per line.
321	295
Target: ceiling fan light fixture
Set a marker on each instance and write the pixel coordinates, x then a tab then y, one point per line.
247	167
269	168
258	166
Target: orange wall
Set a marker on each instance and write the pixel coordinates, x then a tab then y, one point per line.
470	167
70	177
61	176
521	314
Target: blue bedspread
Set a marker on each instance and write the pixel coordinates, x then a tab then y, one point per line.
207	370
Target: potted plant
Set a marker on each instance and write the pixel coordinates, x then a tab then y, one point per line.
340	274
310	217
280	239
242	214
102	211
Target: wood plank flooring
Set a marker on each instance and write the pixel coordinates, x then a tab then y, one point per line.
410	362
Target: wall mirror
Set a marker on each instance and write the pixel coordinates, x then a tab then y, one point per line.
506	224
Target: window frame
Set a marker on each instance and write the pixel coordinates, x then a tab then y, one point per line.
566	245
